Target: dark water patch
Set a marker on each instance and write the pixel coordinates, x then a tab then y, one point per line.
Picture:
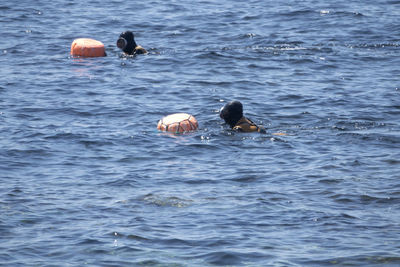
208	83
374	46
297	13
327	180
66	136
346	14
166	201
367	123
27	153
355	260
223	258
368	199
384	139
89	241
138	238
364	199
153	263
95	143
126	182
391	161
199	181
246	179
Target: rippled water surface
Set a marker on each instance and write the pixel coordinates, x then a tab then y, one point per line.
86	179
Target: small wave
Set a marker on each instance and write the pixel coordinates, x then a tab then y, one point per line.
136	237
199	181
358	125
120	183
223	258
147	263
368	199
208	82
95	143
357	260
170	201
392	161
29	153
377	45
348	13
246	179
66	136
297	13
328	180
90	241
381	138
341	198
231	258
365	199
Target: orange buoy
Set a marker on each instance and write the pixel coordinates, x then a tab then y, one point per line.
178	123
86	47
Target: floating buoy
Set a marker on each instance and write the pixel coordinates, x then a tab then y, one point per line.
86	47
178	123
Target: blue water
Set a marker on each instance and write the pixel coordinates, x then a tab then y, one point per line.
86	179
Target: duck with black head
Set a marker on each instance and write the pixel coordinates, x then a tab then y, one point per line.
126	42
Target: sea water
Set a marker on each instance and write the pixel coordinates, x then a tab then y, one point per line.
87	180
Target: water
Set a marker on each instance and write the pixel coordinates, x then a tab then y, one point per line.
86	179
